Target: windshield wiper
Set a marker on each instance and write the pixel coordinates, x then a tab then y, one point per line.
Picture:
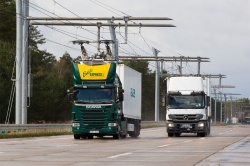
82	101
106	102
175	107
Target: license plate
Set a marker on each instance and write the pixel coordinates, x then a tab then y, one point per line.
93	131
185	126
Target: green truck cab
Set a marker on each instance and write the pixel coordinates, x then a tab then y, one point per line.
97	99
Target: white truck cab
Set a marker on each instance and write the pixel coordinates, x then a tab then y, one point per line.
188	105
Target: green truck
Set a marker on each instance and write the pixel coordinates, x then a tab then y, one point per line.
106	100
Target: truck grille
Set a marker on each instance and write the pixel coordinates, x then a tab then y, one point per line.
94	119
186	117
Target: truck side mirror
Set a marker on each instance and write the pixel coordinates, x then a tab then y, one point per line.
208	100
69	95
163	100
120	95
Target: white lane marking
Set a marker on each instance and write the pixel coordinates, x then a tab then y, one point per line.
188	141
202	138
220	133
119	155
65	145
1	152
162	146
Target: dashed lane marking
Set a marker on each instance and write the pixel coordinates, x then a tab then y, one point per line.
119	155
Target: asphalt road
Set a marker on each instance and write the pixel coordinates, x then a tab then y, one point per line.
227	145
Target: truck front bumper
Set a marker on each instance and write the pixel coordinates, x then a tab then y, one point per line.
186	127
104	131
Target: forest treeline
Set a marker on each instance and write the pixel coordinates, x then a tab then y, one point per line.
52	76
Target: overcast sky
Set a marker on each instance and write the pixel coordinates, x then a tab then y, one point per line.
216	29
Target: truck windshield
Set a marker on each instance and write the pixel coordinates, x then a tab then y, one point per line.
186	101
94	96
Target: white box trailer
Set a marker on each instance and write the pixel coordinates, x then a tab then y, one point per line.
131	82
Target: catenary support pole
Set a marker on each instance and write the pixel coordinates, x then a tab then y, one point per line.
220	108
113	37
199	66
99	24
25	60
220	100
19	34
215	105
157	87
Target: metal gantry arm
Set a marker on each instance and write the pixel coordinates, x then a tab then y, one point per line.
67	21
98	18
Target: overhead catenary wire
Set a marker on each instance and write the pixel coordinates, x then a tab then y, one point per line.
64	8
67	9
59	30
138	47
125	14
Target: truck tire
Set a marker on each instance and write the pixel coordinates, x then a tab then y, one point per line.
116	136
77	136
137	131
83	136
177	134
208	128
124	136
170	134
202	134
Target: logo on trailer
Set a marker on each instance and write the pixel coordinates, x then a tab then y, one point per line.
132	92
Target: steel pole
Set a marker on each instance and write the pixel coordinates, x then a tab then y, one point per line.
98	18
113	37
25	61
99	24
19	35
221	108
157	87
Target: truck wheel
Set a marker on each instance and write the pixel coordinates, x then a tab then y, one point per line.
170	134
177	134
116	136
202	134
90	136
77	136
208	128
83	136
137	131
124	136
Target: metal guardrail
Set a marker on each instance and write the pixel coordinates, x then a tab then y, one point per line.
36	128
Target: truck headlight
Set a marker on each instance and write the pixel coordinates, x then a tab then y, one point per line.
76	124
170	125
201	124
112	124
171	116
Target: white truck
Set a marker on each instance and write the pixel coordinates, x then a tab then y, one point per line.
188	105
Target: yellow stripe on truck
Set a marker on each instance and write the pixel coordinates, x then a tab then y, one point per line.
99	72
